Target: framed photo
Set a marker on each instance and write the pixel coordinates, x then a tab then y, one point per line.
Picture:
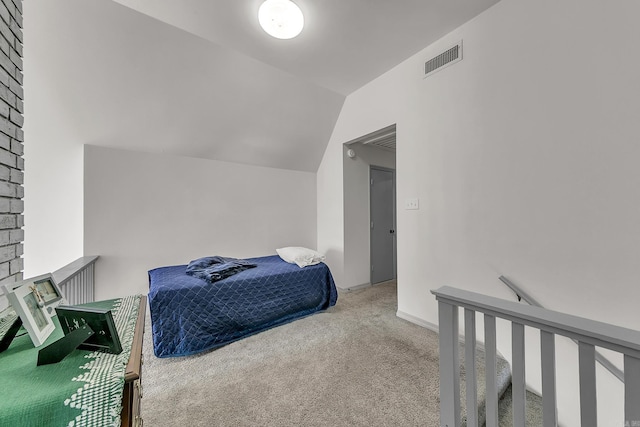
31	309
100	320
48	292
9	324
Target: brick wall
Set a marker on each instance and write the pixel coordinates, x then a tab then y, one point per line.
11	141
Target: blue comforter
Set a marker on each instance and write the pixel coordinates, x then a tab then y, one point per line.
190	315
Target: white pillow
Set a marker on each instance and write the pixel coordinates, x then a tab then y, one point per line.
300	256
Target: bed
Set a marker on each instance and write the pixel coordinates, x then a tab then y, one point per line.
190	315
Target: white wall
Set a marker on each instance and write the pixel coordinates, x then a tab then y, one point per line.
52	152
357	230
143	211
99	73
524	156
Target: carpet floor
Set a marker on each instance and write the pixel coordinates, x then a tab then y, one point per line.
356	364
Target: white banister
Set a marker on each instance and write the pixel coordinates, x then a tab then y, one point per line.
548	358
76	280
470	367
518	384
616	338
588	397
631	391
522	295
491	370
449	365
588	333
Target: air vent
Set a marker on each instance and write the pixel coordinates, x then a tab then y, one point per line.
446	58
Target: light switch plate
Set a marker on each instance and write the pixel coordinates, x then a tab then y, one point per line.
412	204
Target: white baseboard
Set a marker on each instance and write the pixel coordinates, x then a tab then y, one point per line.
356	287
417	321
434	328
363	285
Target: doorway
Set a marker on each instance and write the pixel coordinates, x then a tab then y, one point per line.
382	200
375	150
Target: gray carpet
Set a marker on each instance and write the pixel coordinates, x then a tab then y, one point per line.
356	364
533	408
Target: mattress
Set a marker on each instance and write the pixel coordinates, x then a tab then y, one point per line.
190	315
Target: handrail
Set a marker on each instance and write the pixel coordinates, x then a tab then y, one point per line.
589	333
600	358
522	295
597	333
68	271
76	280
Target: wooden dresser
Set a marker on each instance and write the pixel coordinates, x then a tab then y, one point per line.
68	392
132	378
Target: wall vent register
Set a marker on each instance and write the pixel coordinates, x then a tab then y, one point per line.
446	58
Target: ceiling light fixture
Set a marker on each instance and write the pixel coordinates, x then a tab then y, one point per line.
281	19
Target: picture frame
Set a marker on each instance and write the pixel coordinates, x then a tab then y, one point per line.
49	292
10	323
36	319
105	337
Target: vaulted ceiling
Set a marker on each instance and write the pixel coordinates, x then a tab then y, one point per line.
200	78
344	44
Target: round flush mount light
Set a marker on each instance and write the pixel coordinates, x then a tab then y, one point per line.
281	19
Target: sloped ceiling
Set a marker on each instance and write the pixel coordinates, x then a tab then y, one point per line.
345	43
199	78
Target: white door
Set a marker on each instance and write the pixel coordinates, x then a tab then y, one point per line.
383	237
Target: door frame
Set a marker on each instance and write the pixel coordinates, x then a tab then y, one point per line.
395	224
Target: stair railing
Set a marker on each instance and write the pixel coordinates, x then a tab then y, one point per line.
600	358
77	280
588	333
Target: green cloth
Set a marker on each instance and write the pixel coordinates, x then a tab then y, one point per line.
84	389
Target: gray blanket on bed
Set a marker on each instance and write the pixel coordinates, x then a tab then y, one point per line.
214	268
